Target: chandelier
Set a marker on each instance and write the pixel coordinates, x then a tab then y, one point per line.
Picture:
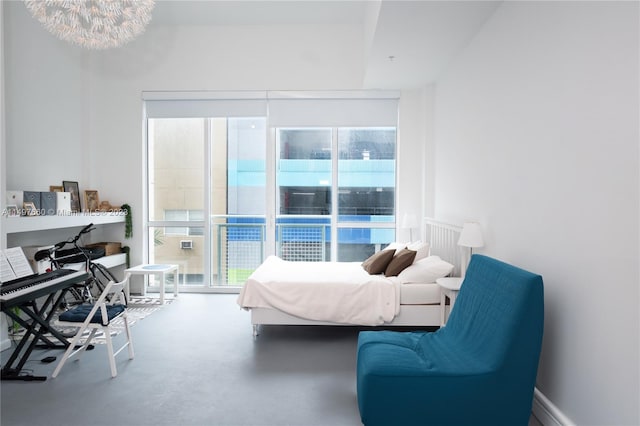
94	24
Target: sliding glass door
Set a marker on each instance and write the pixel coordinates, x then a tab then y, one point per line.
238	199
229	183
206	191
176	194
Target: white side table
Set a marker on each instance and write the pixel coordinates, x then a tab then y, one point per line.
161	270
449	287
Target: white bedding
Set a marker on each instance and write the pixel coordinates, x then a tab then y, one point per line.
341	292
419	294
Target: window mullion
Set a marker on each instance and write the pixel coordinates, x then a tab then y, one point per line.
334	193
208	142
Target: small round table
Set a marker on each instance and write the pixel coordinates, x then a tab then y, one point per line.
449	287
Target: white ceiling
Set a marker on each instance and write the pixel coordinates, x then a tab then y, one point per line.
260	12
422	36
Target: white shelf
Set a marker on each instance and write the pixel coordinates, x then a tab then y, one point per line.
107	261
112	260
39	223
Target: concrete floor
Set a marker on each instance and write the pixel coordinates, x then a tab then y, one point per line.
197	364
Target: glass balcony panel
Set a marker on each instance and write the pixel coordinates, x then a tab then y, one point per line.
304	238
239	243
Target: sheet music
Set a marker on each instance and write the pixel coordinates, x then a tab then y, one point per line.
17	264
6	272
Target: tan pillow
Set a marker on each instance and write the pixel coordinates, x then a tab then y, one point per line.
377	263
400	261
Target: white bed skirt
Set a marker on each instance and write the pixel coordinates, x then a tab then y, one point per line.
410	315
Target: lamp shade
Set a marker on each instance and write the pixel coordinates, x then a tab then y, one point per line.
409	221
471	235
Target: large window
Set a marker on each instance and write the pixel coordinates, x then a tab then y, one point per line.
228	183
361	183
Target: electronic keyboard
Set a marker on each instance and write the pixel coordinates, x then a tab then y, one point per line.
30	288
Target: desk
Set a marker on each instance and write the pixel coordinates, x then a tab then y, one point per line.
160	270
449	287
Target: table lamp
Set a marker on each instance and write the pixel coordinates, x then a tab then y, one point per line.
409	221
470	236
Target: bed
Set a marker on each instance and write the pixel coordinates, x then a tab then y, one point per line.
280	292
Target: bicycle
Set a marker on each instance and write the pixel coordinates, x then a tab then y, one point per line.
99	275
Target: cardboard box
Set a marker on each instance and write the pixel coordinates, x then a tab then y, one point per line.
109	248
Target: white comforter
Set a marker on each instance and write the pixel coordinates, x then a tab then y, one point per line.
341	292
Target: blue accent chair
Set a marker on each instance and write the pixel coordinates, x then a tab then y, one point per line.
479	369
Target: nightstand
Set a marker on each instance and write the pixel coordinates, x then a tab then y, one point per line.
449	287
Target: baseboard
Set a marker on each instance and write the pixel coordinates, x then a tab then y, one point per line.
547	413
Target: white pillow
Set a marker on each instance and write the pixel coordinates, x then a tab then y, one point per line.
426	270
421	249
396	246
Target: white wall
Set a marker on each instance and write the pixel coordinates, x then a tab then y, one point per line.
5	343
46	126
413	131
537	138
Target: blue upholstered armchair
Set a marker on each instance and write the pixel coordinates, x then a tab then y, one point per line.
478	369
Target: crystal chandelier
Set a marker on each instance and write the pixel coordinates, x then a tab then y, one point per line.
94	24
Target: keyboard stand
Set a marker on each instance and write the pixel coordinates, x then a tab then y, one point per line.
34	333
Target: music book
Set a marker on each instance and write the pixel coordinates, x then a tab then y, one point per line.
14	264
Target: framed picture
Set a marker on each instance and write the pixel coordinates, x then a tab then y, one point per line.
30	209
54	188
91	200
72	187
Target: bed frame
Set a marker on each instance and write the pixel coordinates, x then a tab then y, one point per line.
443	239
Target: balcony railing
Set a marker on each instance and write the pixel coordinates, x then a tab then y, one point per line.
240	243
240	247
